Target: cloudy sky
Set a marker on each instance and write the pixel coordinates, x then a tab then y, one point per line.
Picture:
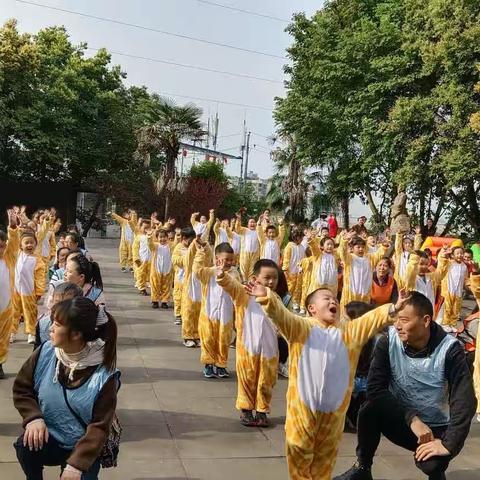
205	20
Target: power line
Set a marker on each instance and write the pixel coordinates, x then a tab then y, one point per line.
231	135
248	12
150	29
213	100
185	65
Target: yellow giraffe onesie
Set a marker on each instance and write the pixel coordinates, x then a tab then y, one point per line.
203	229
324	270
322	364
271	249
475	287
428	284
7	277
222	234
216	315
249	249
29	287
401	257
452	291
45	237
292	256
178	260
256	350
306	265
357	273
126	240
141	251
161	270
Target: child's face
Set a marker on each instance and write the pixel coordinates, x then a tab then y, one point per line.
203	219
371	241
297	240
271	234
252	224
62	256
382	268
28	245
3	246
186	241
225	259
268	277
467	257
70	243
171	236
225	223
328	246
423	266
359	250
458	255
324	232
162	239
143	228
407	245
324	307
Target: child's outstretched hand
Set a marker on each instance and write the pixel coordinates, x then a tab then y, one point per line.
255	289
220	268
418	230
403	296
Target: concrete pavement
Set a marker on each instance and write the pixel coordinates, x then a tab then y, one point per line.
178	425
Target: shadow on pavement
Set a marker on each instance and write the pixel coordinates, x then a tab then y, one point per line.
132	375
464	474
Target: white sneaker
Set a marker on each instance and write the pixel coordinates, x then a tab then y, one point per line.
12	337
296	307
189	343
302	311
283	369
31	339
198	343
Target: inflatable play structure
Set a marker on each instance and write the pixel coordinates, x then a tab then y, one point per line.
434	244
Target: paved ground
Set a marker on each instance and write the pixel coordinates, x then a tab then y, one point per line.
178	425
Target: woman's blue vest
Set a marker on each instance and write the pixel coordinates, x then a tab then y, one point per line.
60	421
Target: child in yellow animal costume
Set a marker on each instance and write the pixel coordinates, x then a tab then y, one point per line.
47	244
404	246
250	246
9	248
452	288
29	285
292	256
202	228
270	239
142	257
161	268
325	266
358	269
323	358
187	235
216	315
306	268
126	239
222	231
257	345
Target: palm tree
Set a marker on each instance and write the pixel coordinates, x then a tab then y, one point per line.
161	138
289	178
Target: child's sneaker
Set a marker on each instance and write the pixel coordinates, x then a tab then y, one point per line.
178	320
222	372
302	311
283	369
198	343
208	371
296	307
124	270
12	337
154	304
131	270
31	339
247	419
189	343
261	420
164	305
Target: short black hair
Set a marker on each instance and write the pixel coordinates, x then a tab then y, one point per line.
422	254
271	227
420	303
456	248
357	309
75	236
325	240
469	251
188	232
264	263
224	247
357	241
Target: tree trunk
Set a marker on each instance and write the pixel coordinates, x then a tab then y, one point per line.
345	207
167	206
93	216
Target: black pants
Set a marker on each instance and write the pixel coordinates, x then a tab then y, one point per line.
282	349
32	462
376	419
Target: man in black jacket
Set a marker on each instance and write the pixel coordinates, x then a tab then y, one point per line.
420	394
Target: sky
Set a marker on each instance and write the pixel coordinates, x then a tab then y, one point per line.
195	18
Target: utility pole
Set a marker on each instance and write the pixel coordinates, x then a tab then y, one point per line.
242	151
215	131
247	152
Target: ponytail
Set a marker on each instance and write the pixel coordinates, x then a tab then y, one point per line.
96	276
108	333
89	269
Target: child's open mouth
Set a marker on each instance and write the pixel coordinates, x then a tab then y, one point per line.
333	309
